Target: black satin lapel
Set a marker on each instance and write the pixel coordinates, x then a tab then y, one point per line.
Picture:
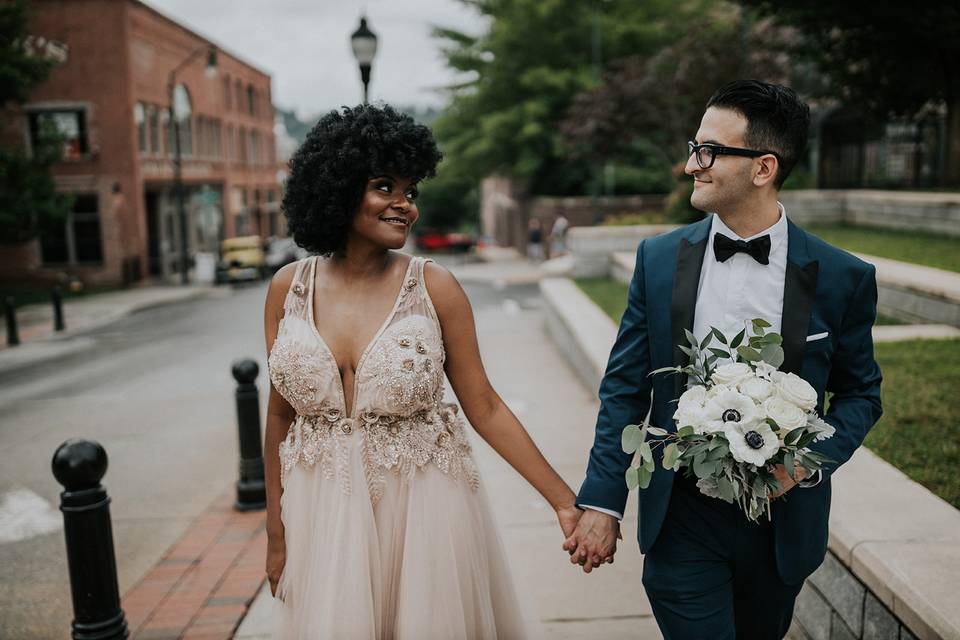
799	290
683	303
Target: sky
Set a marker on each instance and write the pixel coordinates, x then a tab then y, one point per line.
305	46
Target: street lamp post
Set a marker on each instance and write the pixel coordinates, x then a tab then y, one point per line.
364	44
211	52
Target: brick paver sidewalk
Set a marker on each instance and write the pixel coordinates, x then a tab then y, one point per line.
203	585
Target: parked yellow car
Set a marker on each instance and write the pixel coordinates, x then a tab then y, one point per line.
241	259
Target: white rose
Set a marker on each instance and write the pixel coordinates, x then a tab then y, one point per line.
694	396
757	388
717	390
787	415
798	391
765	370
731	374
752	444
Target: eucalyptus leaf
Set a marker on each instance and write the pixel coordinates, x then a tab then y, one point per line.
788	464
706	340
749	353
720	353
719	335
631	438
643	478
645	453
791	438
773	338
704	468
648	464
685	431
657	431
760	323
726	488
772	354
633	478
670	455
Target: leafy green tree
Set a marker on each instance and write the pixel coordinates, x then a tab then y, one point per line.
885	56
28	199
523	73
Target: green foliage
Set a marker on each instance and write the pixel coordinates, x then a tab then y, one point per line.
919	432
524	72
19	72
449	202
28	199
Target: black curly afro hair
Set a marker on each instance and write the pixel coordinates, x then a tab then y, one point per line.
330	170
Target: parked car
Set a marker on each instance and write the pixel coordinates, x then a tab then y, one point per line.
241	259
434	240
283	251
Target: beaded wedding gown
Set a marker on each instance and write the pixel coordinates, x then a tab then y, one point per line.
388	533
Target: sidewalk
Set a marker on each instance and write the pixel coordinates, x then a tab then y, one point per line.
560	601
39	342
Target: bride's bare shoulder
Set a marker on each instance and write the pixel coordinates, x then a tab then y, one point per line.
444	288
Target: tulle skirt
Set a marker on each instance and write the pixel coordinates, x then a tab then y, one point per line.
425	562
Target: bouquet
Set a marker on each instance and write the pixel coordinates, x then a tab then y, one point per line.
739	417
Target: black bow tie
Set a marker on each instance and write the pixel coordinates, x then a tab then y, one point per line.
758	248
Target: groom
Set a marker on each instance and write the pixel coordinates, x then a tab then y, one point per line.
708	571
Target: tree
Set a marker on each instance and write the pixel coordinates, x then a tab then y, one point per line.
886	57
523	73
28	199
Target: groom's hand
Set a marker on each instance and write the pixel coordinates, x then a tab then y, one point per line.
594	541
786	482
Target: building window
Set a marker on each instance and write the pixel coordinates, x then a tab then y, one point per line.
254	148
251	100
238	94
153	128
183	112
68	125
227	91
242	135
140	119
77	239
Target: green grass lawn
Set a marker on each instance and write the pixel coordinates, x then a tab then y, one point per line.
920	429
927	249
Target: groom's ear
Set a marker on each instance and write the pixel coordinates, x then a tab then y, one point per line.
765	170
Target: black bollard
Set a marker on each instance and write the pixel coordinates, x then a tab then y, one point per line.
56	295
79	466
10	311
251	490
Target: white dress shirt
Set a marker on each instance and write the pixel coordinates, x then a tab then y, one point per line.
734	292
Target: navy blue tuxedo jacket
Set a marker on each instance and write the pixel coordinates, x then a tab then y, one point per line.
825	290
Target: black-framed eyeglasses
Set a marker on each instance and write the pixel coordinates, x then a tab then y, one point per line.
707	153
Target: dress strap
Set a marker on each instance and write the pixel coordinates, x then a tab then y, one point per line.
295	302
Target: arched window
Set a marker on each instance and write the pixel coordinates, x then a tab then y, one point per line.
251	100
183	112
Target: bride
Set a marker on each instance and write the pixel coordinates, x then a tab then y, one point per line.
377	521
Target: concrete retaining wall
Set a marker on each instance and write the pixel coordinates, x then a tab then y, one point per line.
914	210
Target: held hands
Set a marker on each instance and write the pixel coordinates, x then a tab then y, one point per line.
594	541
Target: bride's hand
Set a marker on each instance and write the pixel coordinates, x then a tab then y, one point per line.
276	559
568	515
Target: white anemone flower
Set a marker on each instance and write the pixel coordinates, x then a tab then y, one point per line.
729	406
753	444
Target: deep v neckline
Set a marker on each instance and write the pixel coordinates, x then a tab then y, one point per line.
366	350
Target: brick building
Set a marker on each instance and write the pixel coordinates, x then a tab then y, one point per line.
109	96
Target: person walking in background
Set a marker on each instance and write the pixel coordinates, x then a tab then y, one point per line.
558	236
535	240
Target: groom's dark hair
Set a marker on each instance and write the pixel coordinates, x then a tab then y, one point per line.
777	119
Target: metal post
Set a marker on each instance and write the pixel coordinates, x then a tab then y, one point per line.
251	490
10	311
56	295
79	465
365	76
